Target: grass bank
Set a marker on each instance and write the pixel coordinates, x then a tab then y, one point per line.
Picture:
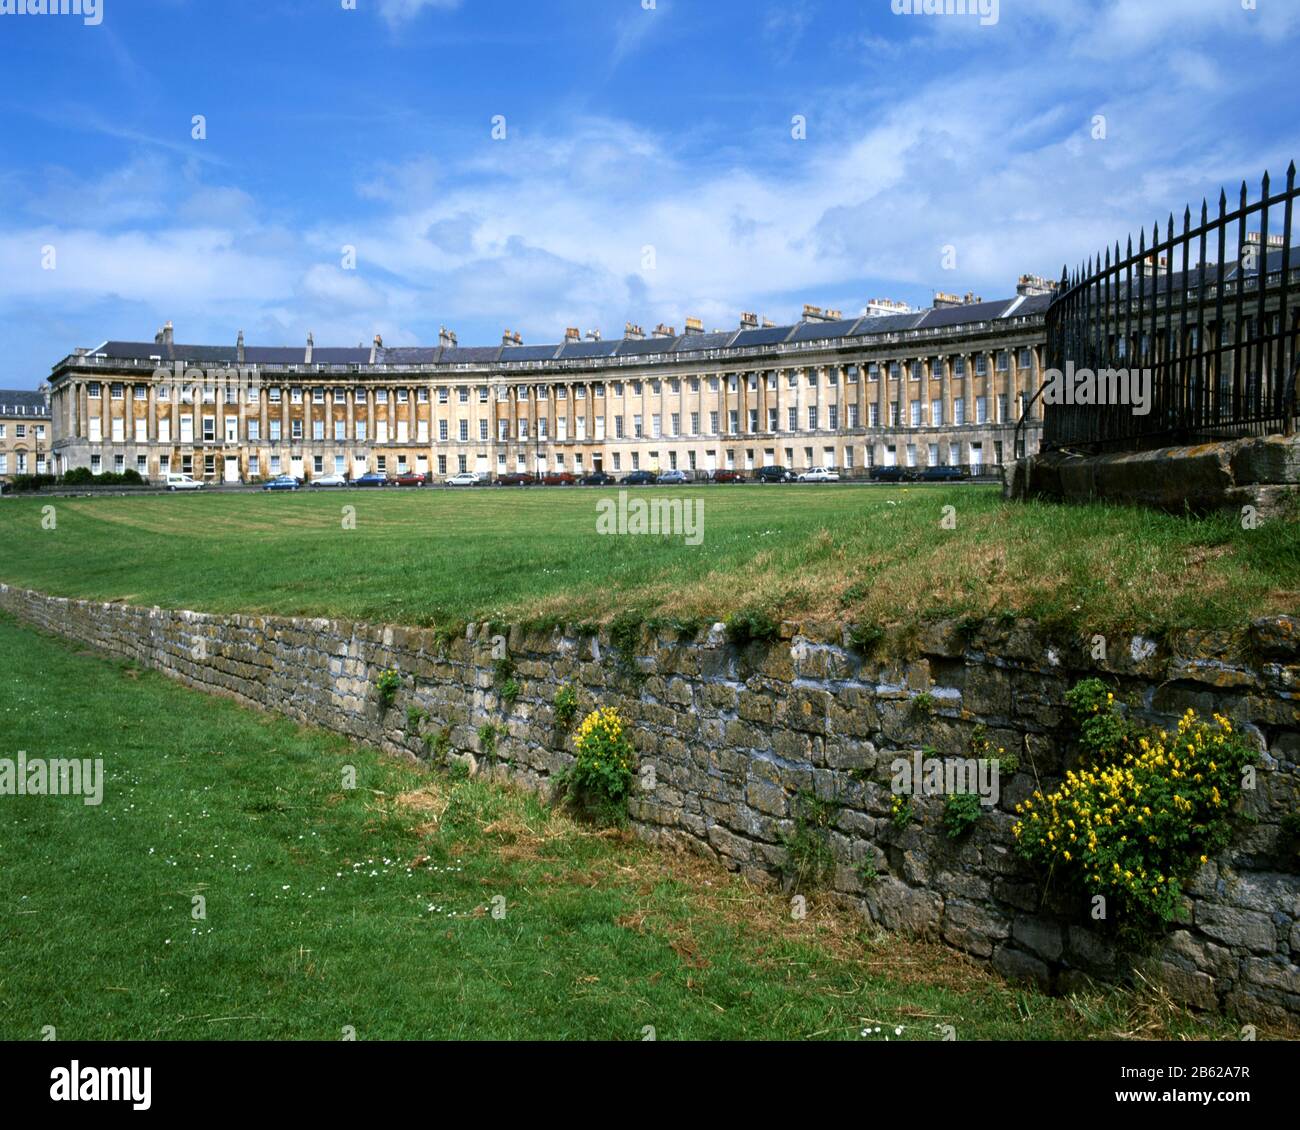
325	908
878	554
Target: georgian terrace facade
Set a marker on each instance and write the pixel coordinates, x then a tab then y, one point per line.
935	387
25	434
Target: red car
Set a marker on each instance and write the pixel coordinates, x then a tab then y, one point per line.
559	479
408	479
516	479
728	477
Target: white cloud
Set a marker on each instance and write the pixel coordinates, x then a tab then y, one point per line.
400	11
990	155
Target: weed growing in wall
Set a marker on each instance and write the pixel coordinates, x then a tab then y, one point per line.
1144	813
751	625
808	860
900	812
600	779
866	638
387	684
961	812
439	744
983	749
566	707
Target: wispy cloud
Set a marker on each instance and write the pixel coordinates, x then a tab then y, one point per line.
634	29
400	11
784	25
988	152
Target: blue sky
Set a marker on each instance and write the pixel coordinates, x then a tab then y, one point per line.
626	128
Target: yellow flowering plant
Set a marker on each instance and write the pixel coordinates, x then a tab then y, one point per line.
1142	814
600	780
387	683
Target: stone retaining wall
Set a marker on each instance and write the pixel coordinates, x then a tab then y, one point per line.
1262	473
735	735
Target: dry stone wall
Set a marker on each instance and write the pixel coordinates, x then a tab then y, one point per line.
736	735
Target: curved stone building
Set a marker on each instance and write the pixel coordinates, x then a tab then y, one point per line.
942	386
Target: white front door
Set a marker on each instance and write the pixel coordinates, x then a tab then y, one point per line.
232	468
295	466
359	468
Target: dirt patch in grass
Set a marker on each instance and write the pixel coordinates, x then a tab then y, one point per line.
426	805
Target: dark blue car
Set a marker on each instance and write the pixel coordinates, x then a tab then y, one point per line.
282	482
942	475
371	479
638	479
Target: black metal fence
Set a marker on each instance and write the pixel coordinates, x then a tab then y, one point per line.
1189	338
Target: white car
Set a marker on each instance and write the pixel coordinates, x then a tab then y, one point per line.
464	479
183	482
819	475
330	481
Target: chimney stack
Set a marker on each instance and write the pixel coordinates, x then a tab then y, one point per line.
375	348
446	338
1034	284
1253	239
168	337
507	338
572	334
310	346
748	321
694	326
593	335
633	333
239	347
662	330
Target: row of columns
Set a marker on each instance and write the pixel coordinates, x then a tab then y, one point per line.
78	407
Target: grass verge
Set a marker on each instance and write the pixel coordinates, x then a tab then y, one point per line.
373	908
871	555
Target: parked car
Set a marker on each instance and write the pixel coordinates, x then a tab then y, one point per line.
409	479
673	478
728	477
890	475
559	479
282	482
334	480
371	479
183	482
598	479
464	479
638	479
941	474
774	474
819	475
516	479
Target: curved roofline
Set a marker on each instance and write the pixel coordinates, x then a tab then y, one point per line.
741	344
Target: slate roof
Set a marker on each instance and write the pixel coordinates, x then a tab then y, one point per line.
841	330
19	402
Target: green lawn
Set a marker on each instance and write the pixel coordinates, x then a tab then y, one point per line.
371	908
870	554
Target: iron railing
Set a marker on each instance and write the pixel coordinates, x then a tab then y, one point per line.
1215	341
